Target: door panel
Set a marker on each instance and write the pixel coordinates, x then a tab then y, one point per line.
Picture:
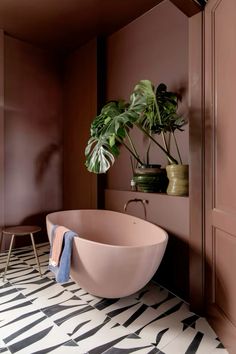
220	168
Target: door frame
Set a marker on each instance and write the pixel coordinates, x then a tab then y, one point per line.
197	159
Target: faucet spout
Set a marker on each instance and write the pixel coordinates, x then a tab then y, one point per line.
135	200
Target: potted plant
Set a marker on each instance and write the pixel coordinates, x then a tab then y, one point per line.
151	111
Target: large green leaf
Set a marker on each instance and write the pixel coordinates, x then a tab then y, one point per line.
108	130
143	100
99	155
168	105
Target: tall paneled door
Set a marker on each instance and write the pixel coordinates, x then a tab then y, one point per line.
220	168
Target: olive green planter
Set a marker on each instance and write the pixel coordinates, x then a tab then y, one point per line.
178	179
150	179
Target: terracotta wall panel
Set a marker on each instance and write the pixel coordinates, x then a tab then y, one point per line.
173	272
154	47
80	97
33	133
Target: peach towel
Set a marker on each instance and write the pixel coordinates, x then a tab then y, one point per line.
57	245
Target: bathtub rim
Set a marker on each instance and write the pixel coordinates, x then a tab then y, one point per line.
163	240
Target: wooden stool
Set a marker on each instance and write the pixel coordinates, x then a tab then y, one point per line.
20	231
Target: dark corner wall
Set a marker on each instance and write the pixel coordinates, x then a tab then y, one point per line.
32	133
80	107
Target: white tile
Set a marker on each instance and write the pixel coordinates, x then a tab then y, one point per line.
52	299
165	327
190	338
132	343
69	347
203	326
38	287
14	309
41	336
152	294
99	334
69	309
3	348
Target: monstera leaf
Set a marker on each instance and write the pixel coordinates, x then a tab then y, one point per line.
144	101
109	111
168	105
108	130
100	155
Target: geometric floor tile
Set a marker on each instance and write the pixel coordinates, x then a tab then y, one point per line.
38	315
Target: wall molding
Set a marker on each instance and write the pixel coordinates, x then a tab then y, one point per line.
196	147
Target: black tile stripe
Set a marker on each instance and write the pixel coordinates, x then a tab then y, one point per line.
158	304
23	304
24	343
73	314
135	315
19	296
159	336
92	331
28	314
52	309
155	351
191	320
102	348
167	313
120	310
5	286
49	349
193	347
171	310
8	292
142	293
78	327
23	329
102	304
57	295
115	350
52	283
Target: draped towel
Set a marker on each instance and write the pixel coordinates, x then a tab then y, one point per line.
62	269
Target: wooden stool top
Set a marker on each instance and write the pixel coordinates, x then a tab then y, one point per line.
21	230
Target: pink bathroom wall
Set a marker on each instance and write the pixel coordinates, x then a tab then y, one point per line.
33	133
154	47
80	107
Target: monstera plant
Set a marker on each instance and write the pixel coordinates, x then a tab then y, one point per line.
152	111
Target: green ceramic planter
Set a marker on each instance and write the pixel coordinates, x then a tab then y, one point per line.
178	180
150	179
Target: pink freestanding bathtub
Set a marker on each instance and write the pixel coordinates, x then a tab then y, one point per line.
115	254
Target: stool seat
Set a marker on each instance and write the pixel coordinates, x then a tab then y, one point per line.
21	230
16	231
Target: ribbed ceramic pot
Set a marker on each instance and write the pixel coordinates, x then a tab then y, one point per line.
178	180
148	178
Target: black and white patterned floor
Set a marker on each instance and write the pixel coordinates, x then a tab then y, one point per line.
37	315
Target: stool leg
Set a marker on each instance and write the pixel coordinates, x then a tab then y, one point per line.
35	253
1	241
8	257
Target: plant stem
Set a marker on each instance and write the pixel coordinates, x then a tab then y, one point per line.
148	149
170	158
132	165
162	134
130	151
177	148
131	143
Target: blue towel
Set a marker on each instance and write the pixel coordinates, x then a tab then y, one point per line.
62	271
